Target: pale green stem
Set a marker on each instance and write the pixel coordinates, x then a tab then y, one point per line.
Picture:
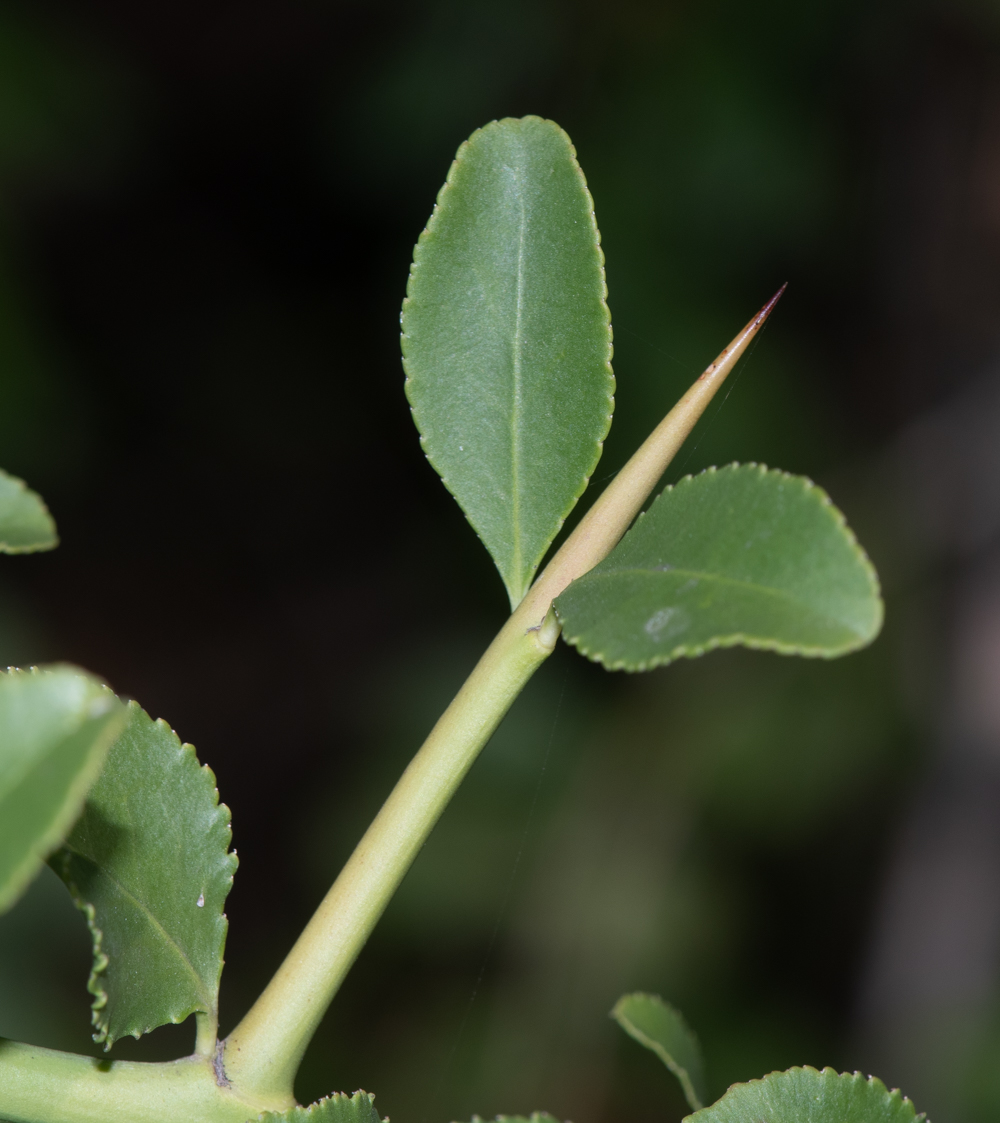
264	1051
45	1086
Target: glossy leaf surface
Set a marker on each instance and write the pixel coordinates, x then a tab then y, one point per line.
657	1025
338	1108
25	522
804	1095
736	555
56	725
149	864
507	339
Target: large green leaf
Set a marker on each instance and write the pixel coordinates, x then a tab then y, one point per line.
657	1025
507	339
804	1095
149	864
338	1108
25	522
55	728
736	555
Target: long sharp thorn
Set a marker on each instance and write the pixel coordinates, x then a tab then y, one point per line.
599	531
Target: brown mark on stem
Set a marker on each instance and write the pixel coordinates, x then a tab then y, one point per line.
219	1067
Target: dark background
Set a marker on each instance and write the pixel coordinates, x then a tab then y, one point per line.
207	212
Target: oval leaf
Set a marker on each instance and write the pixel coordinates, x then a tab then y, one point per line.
56	725
149	865
507	339
804	1095
657	1025
737	555
25	522
338	1108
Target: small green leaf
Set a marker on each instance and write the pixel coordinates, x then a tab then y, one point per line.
507	339
338	1108
25	522
737	555
657	1025
56	725
804	1095
149	865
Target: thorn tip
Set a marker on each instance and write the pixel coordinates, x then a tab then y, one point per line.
763	314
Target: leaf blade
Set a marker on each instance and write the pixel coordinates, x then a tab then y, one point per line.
737	555
149	865
336	1108
56	726
661	1028
25	523
506	339
807	1095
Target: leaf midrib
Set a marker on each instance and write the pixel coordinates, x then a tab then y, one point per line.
147	911
722	580
517	404
681	1071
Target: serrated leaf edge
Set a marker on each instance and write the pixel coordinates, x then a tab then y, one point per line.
856	1077
755	643
611	384
305	1113
101	960
36	547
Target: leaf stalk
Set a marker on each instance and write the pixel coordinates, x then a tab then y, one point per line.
206	1034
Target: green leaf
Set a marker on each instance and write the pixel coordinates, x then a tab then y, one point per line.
736	555
25	522
507	339
657	1025
804	1095
149	865
56	725
338	1108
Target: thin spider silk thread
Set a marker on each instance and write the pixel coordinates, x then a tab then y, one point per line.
507	893
686	367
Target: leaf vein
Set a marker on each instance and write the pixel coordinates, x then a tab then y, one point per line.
517	404
722	580
146	911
